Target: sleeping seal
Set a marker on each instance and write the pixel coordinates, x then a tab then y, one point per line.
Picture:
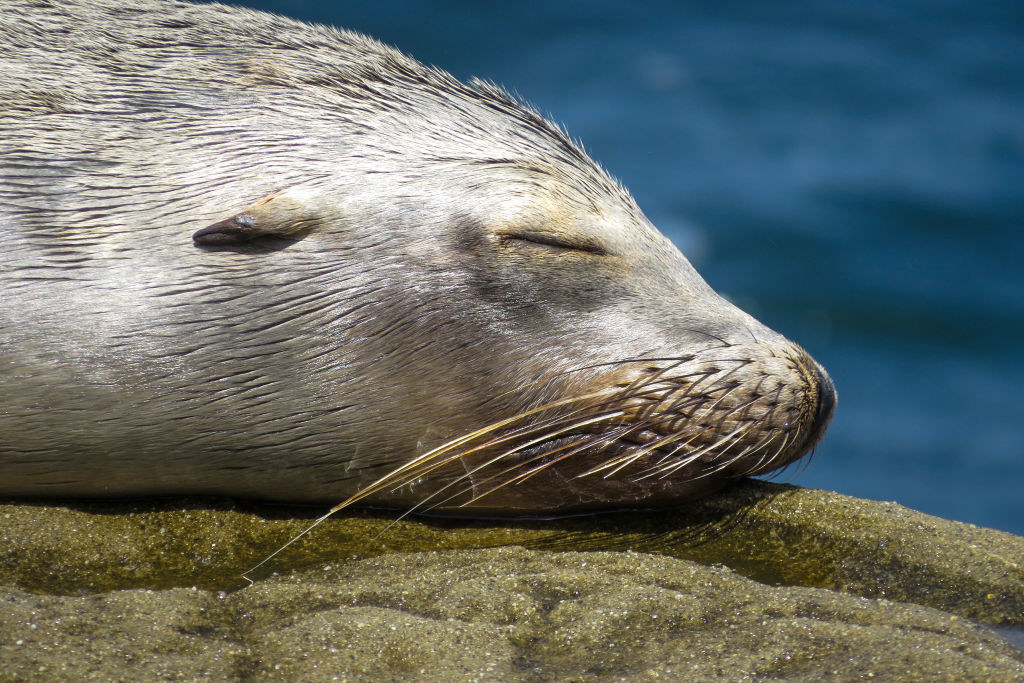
252	257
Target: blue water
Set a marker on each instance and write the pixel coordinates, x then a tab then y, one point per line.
851	173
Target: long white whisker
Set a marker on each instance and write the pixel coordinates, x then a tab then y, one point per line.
512	451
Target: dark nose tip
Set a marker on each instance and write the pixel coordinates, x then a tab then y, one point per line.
826	405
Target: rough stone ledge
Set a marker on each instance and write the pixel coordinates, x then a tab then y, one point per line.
104	590
495	614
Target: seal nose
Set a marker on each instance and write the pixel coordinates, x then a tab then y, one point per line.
826	405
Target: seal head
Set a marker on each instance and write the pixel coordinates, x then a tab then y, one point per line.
252	257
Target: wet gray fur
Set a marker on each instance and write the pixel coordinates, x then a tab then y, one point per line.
444	274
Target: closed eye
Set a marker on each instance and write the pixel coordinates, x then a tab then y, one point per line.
554	242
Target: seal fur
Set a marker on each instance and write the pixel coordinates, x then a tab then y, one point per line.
253	257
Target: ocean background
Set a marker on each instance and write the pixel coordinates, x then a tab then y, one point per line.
851	173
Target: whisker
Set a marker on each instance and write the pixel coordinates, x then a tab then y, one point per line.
424	464
760	446
582	446
625	460
617	464
693	456
731	461
668	467
521	447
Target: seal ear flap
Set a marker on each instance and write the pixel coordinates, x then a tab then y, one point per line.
289	214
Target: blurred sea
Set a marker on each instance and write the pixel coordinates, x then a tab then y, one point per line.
851	173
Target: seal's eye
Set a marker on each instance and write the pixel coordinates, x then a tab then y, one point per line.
554	242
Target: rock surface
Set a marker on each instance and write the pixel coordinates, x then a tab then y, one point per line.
106	591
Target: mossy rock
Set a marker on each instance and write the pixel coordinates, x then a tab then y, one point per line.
817	584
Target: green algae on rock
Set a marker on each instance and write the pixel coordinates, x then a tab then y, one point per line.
775	534
496	614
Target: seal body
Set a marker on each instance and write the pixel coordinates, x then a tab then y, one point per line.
248	256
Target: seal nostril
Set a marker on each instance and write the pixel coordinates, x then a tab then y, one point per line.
826	405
